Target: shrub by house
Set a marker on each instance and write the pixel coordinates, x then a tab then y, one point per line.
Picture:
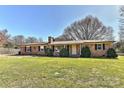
85	52
73	47
49	52
64	52
111	53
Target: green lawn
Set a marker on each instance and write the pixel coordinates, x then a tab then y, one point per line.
21	71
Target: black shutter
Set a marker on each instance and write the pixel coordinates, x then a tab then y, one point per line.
95	46
38	48
30	49
103	46
25	49
44	47
68	47
53	48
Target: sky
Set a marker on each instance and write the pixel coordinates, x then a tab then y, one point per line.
43	21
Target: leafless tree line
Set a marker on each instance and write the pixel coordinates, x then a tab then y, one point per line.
6	40
89	28
121	24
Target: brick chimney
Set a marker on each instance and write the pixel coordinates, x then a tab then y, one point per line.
50	39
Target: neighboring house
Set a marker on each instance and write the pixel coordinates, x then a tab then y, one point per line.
98	47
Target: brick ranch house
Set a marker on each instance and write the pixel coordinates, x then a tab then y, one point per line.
98	48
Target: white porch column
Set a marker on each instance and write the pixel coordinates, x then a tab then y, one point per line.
80	48
64	46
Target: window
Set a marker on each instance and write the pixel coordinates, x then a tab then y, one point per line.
28	49
41	49
57	50
99	46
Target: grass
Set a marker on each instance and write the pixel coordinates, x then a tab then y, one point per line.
38	72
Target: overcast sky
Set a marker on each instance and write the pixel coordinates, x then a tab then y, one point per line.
43	21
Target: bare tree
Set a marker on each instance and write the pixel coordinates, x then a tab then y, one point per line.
4	37
89	28
110	35
40	40
121	26
18	40
31	40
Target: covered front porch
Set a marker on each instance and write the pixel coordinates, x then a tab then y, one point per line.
74	49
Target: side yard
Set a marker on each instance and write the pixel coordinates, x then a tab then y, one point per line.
27	71
8	51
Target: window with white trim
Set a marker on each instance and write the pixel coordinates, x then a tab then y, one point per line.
28	49
57	50
41	48
99	47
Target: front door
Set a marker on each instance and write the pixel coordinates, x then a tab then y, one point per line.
78	49
74	50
